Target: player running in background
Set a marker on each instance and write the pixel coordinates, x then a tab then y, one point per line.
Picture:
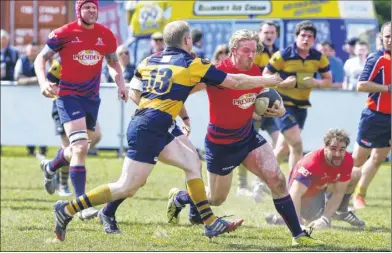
268	33
167	79
374	132
327	171
81	45
302	61
232	140
107	215
53	76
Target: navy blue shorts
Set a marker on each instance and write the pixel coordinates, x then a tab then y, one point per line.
294	116
75	107
146	141
175	130
223	158
268	124
374	129
59	128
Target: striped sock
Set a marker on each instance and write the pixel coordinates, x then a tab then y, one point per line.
57	162
198	195
286	209
97	196
64	175
111	208
78	178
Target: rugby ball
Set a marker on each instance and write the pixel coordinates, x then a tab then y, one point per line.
266	99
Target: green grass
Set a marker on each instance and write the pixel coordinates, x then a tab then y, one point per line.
27	216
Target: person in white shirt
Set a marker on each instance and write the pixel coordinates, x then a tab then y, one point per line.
354	66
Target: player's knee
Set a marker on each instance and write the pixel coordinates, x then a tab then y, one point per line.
79	142
377	159
355	175
296	146
217	200
277	183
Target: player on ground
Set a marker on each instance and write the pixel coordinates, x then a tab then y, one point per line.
107	215
327	170
53	76
374	132
81	45
167	79
268	34
302	61
232	140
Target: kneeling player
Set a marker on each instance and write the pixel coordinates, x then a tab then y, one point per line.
324	173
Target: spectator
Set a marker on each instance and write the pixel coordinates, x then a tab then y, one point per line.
24	70
349	46
335	63
354	66
221	52
8	56
157	44
25	75
197	38
124	60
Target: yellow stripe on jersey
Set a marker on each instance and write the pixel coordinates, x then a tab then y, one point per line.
261	60
198	69
172	107
290	64
180	75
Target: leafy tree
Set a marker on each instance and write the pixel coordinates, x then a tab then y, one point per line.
383	10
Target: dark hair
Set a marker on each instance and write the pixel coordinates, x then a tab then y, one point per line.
327	43
268	23
362	43
305	25
384	25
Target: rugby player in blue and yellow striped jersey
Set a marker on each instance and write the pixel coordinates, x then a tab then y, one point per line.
303	62
167	79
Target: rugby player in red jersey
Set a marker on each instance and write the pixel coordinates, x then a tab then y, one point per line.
232	140
324	172
81	44
374	131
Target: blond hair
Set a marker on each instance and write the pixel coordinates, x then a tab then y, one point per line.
174	33
245	34
223	48
340	135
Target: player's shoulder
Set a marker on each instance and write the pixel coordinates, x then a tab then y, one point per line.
103	28
375	55
315	53
312	159
64	30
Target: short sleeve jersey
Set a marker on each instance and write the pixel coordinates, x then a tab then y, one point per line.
81	51
168	78
378	70
231	110
287	62
315	173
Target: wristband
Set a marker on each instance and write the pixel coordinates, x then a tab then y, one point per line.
185	118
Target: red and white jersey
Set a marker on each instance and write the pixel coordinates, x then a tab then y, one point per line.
231	110
81	51
314	172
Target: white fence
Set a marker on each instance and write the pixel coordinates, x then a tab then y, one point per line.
26	117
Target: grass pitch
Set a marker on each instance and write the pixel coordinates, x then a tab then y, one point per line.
27	218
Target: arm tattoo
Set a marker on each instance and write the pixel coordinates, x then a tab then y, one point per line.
111	58
47	52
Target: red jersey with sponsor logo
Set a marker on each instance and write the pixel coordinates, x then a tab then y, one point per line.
231	110
81	51
378	70
314	172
